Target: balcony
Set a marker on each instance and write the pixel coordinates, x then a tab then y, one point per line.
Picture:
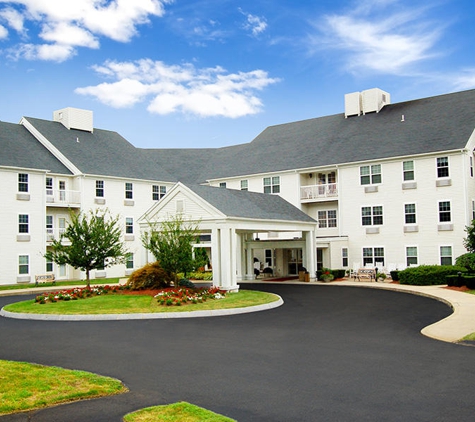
63	198
52	234
316	193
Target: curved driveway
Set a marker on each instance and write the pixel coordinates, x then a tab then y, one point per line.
328	354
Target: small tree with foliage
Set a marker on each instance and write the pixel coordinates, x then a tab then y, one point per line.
171	243
469	241
94	242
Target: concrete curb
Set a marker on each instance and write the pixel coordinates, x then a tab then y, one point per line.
161	315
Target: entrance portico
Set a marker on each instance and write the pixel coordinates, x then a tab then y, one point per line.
232	218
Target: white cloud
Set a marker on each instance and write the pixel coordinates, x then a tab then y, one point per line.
382	42
254	23
70	24
13	18
3	32
179	89
465	80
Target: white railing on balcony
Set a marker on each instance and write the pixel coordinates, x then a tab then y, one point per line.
52	234
63	197
315	192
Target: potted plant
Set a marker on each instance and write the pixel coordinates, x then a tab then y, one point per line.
326	275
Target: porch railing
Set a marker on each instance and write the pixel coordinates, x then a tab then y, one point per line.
63	197
315	192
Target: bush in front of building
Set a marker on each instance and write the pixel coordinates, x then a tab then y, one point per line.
428	275
466	260
151	276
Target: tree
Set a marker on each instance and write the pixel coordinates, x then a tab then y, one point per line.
171	243
469	241
94	242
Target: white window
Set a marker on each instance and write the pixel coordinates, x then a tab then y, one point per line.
327	219
410	213
269	258
370	175
180	205
129	190
23	223
411	255
408	170
49	186
373	255
22	182
271	184
444	212
24	264
344	256
49	266
443	167
446	255
473	209
244	184
222	185
49	227
372	216
100	188
129	225
471	166
62	190
158	192
129	262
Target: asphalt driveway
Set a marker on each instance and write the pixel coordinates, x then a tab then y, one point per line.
328	354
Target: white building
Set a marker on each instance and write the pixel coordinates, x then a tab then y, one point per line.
384	184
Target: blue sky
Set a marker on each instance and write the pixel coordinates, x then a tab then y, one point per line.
211	73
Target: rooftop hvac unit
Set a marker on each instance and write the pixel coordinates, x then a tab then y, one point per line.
74	118
352	104
374	100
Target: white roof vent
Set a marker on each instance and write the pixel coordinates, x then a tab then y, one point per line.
368	101
75	118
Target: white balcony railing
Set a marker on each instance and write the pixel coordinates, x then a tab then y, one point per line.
52	234
63	197
319	192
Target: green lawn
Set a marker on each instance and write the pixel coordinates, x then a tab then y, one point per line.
59	284
26	386
126	304
177	412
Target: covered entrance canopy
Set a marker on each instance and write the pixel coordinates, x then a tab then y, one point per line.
232	217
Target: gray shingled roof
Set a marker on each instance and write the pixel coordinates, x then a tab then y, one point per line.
101	152
245	204
431	124
18	148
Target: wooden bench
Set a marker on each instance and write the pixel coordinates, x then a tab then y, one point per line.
45	278
365	274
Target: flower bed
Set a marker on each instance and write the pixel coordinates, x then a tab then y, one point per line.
167	297
78	293
183	295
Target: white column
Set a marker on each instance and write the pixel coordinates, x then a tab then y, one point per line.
215	256
250	263
310	253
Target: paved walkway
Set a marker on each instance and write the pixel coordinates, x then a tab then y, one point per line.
451	329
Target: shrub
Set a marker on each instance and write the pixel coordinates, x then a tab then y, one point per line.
151	276
186	283
469	281
338	273
428	275
466	260
395	275
206	276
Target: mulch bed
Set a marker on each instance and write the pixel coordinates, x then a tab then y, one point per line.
458	289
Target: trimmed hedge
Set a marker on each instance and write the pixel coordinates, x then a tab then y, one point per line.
428	275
